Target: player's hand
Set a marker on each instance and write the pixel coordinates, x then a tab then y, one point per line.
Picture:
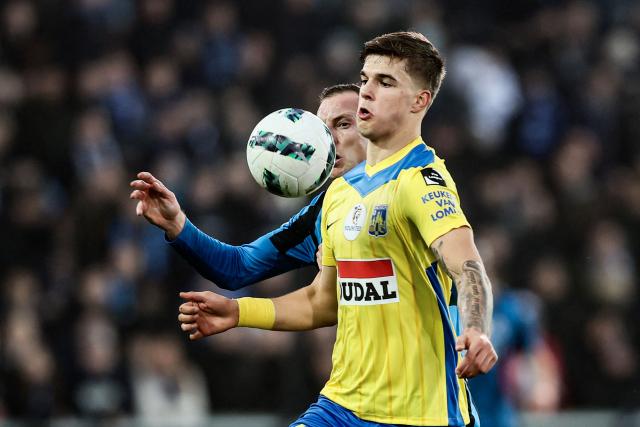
158	205
480	357
207	313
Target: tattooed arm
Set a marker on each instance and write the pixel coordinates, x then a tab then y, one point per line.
457	254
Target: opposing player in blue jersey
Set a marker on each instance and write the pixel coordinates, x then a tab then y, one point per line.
516	329
291	246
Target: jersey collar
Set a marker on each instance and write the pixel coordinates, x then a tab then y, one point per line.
394	158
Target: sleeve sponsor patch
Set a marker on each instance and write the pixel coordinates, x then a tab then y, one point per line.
432	177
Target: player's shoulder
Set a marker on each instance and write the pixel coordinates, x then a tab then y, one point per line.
432	168
431	174
341	183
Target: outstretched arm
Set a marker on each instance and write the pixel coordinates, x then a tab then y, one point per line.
314	306
311	307
458	255
230	267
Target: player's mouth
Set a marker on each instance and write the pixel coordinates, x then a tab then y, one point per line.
364	114
339	161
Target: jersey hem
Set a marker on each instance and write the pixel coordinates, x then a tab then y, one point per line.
410	421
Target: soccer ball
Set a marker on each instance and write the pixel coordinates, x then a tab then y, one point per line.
291	152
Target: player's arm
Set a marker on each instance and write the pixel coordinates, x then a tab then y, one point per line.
311	307
314	306
431	203
230	267
458	255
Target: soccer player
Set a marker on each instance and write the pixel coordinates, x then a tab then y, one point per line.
395	242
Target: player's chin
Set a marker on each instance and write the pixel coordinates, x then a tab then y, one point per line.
337	171
367	130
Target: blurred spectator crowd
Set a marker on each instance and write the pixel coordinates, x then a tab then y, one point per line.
538	119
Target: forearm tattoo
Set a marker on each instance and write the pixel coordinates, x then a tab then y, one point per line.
475	300
474	297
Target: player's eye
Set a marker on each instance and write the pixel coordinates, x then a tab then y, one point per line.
344	125
363	81
385	84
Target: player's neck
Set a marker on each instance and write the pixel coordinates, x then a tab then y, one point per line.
383	148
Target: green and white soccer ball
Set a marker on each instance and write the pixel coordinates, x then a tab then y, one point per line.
291	152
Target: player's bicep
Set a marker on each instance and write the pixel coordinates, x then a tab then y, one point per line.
325	302
454	248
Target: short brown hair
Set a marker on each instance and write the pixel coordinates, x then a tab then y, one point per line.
340	88
423	59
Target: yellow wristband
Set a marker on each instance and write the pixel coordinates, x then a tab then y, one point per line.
256	313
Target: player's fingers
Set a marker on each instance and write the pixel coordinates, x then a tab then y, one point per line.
482	362
138	194
461	342
140	208
193	296
467	366
188	327
195	335
139	184
146	177
187	318
462	366
469	370
188	308
481	350
160	188
474	349
487	362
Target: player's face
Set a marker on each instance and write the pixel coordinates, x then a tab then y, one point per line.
387	93
339	114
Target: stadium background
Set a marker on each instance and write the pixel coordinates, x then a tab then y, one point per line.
538	119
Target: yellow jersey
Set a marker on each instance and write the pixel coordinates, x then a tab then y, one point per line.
394	357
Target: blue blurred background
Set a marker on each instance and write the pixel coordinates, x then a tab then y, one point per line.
538	119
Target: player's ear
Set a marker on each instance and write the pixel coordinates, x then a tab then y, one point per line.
421	101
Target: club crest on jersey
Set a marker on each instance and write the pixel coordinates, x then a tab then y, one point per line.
378	224
432	177
354	222
367	282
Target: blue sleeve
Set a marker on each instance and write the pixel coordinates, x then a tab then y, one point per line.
530	321
524	312
291	246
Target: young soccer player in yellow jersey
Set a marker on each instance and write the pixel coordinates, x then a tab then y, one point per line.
395	242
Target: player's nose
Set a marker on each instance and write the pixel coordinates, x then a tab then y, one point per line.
334	134
366	91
